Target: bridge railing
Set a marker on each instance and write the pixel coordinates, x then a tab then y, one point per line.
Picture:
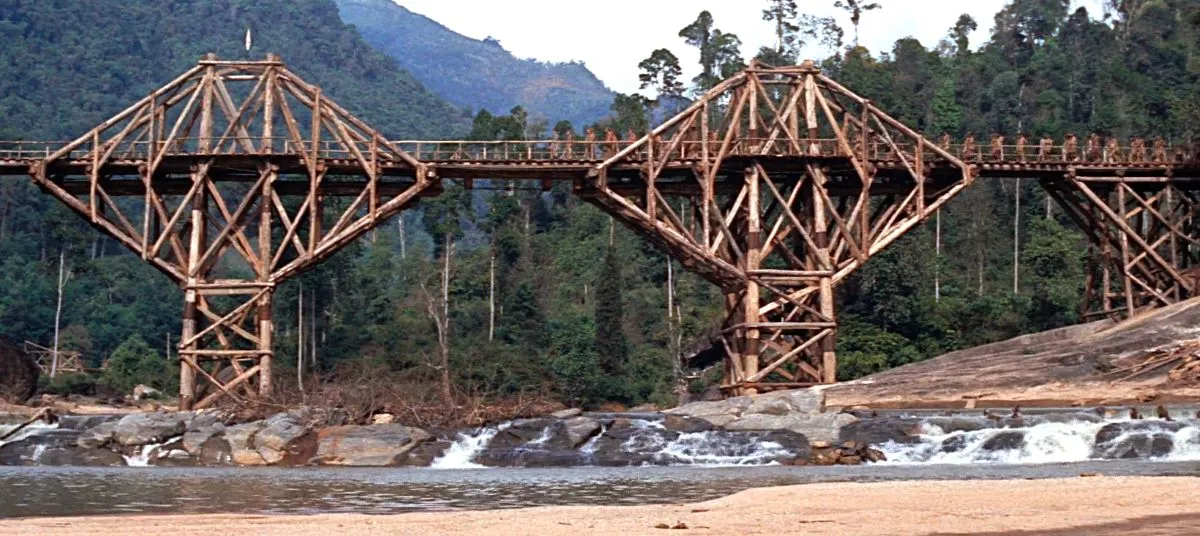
548	151
28	150
1058	153
585	150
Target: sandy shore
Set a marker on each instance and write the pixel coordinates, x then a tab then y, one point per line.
1094	506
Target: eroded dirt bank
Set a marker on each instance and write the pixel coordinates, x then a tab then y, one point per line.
1093	505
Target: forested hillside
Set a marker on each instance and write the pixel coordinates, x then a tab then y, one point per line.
542	294
66	66
477	74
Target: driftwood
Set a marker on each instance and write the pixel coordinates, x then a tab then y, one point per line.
1184	360
45	415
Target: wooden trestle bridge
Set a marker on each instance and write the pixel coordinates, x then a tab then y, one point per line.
776	185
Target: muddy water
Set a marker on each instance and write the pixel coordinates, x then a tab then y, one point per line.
49	491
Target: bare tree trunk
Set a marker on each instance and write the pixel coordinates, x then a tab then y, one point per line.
492	296
444	324
1017	238
937	250
62	283
300	338
403	240
312	331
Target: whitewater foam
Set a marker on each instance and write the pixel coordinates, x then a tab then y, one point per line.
465	448
142	456
1040	443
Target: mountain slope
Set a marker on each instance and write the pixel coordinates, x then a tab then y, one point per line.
68	65
477	74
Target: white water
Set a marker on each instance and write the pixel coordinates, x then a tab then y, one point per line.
143	455
1052	442
703	449
465	448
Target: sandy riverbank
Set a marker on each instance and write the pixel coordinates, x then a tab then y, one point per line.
1093	506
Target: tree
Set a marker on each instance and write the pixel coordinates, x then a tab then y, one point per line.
660	72
856	9
720	54
960	34
783	13
133	363
824	31
611	345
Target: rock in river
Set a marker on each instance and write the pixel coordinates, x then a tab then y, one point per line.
369	446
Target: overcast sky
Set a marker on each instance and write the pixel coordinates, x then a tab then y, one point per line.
612	36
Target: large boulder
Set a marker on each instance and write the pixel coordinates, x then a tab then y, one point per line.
57	447
148	428
880	430
723	413
282	437
816	427
241	443
368	446
18	374
577	431
195	438
1005	440
1136	439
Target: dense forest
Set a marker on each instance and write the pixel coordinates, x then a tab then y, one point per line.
544	295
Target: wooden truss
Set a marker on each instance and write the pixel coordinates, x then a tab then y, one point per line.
777	185
1143	236
221	179
43	357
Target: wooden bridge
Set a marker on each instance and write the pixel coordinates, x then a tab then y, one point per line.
776	185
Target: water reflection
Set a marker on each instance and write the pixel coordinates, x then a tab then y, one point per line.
48	491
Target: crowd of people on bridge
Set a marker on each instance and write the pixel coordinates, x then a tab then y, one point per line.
1095	149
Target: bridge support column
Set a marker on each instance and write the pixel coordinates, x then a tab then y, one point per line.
1142	234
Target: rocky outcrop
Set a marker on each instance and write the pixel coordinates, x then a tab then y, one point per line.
368	446
57	447
18	374
148	428
847	453
800	411
1136	439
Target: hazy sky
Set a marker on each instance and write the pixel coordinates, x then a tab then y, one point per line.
612	36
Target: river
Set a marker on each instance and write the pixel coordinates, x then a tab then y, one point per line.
74	491
677	468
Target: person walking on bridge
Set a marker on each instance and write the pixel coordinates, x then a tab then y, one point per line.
1092	153
1071	148
610	143
554	145
589	142
1022	142
1044	148
968	150
1112	150
1160	149
998	147
946	141
1137	150
569	145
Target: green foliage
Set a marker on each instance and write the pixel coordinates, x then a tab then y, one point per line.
573	359
574	317
610	336
67	384
866	349
134	363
